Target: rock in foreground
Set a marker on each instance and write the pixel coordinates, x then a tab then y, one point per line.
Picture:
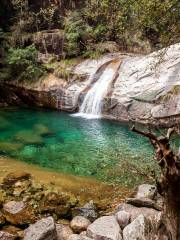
105	228
42	230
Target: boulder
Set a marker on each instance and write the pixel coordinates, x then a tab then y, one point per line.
18	213
143	202
123	218
104	228
44	229
88	211
151	214
7	236
79	224
63	231
146	191
17	232
139	229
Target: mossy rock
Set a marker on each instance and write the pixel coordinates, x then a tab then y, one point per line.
10	146
4	123
29	137
42	130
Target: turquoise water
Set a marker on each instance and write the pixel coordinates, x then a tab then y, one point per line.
58	141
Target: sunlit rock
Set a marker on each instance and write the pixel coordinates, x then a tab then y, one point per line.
79	224
18	213
63	231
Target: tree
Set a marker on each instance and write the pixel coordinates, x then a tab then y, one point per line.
169	183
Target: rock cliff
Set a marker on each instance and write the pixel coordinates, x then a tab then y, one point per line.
146	89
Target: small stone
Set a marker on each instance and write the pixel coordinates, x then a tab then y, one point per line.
146	191
63	231
123	218
18	213
44	229
139	229
7	236
105	228
79	224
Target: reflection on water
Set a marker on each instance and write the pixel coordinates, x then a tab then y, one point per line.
86	147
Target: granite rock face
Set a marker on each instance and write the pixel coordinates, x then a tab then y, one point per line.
145	89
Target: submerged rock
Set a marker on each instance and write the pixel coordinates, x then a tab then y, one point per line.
139	229
18	213
44	229
42	130
29	137
4	123
105	228
10	146
79	224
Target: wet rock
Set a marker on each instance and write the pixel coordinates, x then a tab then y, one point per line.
29	137
105	228
14	177
123	218
18	213
63	231
7	236
56	203
139	229
21	186
88	211
2	219
79	224
146	191
44	229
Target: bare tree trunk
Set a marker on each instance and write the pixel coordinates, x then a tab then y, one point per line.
169	182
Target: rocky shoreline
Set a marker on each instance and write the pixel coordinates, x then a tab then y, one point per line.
33	212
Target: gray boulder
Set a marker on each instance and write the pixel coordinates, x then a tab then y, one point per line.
139	229
146	191
105	228
123	218
87	211
44	229
79	224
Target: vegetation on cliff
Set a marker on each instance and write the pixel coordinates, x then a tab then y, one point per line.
140	26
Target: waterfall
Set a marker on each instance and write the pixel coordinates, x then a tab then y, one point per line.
93	102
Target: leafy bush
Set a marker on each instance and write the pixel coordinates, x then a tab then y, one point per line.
23	65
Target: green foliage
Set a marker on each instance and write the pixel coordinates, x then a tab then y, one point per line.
22	63
77	34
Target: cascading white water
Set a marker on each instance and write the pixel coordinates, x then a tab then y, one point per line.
93	101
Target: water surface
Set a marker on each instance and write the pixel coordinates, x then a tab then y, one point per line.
96	148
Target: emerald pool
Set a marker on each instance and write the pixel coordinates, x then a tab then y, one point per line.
98	148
